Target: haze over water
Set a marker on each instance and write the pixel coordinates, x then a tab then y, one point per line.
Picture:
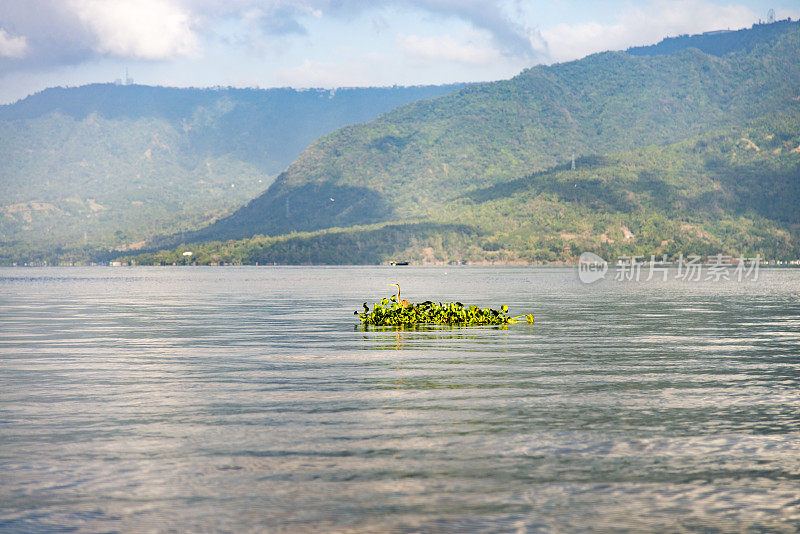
247	399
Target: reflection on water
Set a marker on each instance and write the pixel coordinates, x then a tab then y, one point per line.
400	337
248	399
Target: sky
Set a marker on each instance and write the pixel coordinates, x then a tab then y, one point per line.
331	43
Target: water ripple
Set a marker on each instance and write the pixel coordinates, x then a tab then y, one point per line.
246	399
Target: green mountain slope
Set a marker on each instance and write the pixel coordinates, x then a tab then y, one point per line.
409	162
733	191
110	165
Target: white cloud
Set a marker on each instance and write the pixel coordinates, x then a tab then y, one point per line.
644	25
278	17
12	46
138	29
446	48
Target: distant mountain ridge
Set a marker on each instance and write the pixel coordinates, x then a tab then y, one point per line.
719	42
268	127
111	165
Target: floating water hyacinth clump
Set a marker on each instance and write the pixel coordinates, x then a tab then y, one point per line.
392	312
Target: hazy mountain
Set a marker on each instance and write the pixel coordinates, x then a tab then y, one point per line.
114	164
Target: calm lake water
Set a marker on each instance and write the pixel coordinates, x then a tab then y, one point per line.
246	399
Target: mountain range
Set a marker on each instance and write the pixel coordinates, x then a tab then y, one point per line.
688	146
107	165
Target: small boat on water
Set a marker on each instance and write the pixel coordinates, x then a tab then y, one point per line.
393	262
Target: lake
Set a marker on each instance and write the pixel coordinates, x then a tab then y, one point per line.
247	399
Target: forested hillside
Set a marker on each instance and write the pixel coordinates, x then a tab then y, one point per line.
689	146
408	162
732	191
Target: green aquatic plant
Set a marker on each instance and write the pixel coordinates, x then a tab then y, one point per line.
391	312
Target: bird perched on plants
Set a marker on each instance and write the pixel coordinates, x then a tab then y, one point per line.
402	302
